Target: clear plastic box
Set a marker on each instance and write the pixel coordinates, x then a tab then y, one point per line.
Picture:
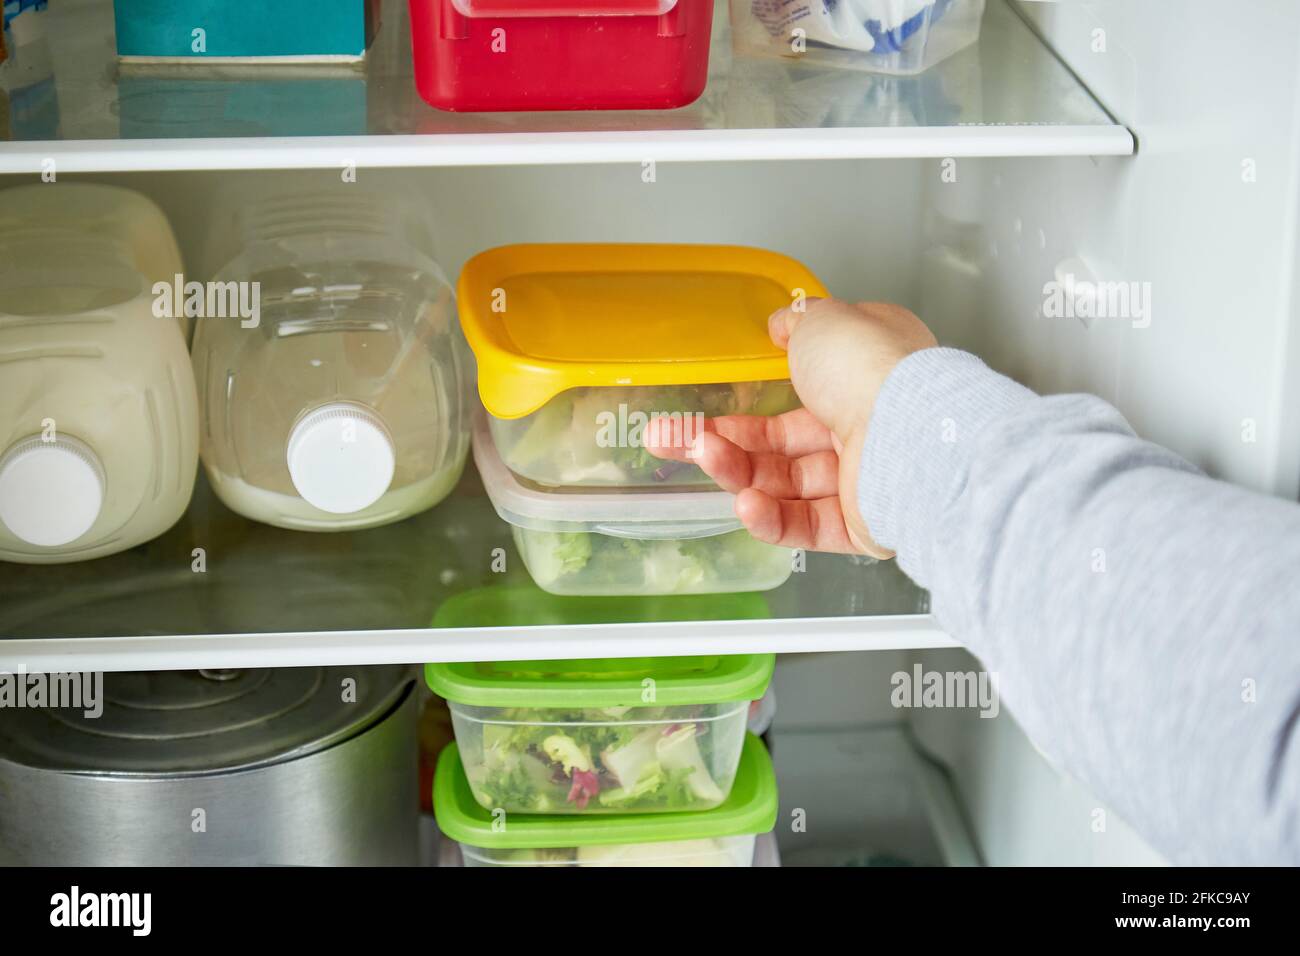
581	563
576	737
601	760
722	836
723	851
628	542
899	37
593	437
581	346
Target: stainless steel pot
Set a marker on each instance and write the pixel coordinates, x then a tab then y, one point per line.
278	767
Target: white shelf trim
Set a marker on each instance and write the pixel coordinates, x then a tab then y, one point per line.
537	149
331	648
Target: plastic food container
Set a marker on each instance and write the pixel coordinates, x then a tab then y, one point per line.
641	735
342	404
628	542
287	31
883	36
723	836
580	346
520	605
560	54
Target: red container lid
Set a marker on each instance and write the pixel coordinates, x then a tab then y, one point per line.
563	8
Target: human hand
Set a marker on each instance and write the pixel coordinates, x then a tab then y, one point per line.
795	475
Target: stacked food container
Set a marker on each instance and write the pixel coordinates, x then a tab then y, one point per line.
580	348
637	762
560	54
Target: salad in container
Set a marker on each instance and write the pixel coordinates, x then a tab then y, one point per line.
627	543
640	735
723	836
581	346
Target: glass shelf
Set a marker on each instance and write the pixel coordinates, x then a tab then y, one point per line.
72	103
264	597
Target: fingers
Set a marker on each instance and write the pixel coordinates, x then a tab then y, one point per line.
734	469
779	326
782	322
814	525
794	434
673	436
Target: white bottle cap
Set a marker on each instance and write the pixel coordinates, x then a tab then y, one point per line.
51	492
341	458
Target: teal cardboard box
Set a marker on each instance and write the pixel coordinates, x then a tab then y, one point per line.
310	31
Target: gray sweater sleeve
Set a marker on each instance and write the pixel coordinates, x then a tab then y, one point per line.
1143	620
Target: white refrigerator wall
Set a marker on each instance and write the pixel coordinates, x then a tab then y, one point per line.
854	223
1205	213
1201	224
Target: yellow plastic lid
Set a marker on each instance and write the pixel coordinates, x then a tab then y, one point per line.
544	318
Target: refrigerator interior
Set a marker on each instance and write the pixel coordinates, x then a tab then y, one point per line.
1201	222
871	230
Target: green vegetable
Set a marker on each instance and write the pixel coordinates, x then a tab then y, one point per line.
598	563
547	422
679	751
565	751
555	554
630	762
658	760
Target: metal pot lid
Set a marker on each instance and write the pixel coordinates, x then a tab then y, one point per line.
166	723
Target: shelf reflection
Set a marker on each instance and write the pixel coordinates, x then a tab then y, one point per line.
218	573
1008	78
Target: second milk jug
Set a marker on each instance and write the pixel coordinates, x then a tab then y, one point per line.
341	403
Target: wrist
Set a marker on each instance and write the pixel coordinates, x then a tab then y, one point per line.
923	430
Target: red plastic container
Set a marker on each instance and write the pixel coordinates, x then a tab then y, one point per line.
560	54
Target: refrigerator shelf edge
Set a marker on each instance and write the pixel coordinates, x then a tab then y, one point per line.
547	642
1008	95
549	149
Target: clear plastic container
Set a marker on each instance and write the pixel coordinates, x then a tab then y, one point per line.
899	37
526	605
345	405
627	542
593	437
601	737
582	563
601	760
98	412
722	851
581	346
723	836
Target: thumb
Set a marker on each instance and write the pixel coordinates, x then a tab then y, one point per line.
781	323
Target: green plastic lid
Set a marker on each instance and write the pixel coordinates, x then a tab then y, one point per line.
604	682
530	606
751	808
